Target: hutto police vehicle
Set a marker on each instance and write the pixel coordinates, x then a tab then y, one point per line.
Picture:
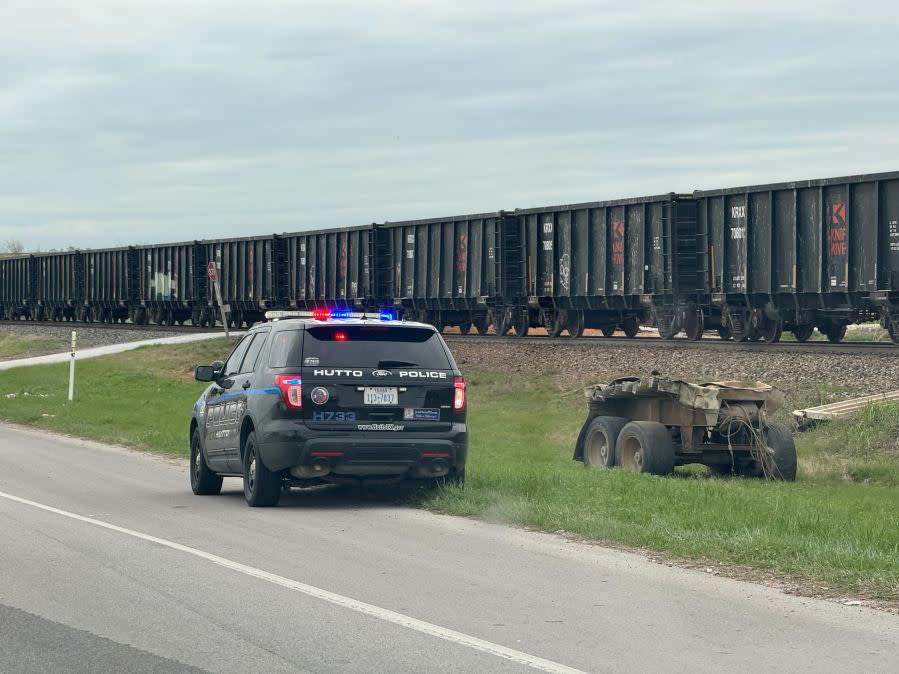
329	396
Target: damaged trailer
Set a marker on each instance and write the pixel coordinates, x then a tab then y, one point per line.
652	424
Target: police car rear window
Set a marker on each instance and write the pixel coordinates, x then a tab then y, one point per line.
287	349
371	345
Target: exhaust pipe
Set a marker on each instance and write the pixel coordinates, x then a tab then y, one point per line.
437	468
318	468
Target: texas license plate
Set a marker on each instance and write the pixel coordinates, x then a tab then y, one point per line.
380	395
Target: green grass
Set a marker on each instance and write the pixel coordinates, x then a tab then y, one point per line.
836	526
141	398
24	346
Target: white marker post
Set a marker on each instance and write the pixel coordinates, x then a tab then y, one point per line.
212	273
72	368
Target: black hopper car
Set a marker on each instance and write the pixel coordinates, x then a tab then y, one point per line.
747	262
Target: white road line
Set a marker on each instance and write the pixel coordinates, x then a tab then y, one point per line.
346	602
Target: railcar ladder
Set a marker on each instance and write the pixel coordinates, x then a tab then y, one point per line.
382	269
509	258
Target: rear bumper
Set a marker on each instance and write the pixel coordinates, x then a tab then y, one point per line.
291	444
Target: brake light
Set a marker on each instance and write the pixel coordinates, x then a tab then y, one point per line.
339	336
291	387
458	394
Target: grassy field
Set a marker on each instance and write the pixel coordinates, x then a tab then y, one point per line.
24	346
834	529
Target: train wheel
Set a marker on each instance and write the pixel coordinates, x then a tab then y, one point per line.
724	332
505	323
694	324
465	328
482	323
631	326
738	326
559	323
833	331
894	332
521	323
607	330
668	326
803	333
575	324
771	330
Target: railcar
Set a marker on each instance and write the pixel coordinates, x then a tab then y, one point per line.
800	255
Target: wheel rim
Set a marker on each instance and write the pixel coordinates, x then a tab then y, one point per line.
598	450
631	457
195	450
251	471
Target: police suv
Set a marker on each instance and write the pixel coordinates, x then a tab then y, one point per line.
329	396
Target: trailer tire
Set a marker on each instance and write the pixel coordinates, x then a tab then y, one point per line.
779	438
600	442
645	447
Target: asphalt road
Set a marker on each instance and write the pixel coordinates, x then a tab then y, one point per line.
108	562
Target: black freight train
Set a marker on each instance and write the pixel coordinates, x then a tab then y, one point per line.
749	262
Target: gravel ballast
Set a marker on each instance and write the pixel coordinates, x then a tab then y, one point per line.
87	336
599	362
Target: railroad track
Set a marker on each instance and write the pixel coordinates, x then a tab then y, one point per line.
77	325
643	340
880	348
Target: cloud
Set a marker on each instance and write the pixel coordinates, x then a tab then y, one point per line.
153	121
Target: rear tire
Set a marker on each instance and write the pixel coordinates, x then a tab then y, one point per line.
261	487
645	447
203	482
600	441
780	440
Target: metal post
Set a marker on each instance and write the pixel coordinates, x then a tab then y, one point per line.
226	309
72	368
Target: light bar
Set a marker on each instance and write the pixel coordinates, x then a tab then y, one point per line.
333	314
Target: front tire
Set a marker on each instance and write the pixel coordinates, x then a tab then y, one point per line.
261	487
203	481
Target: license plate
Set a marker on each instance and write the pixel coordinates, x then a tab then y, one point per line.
380	395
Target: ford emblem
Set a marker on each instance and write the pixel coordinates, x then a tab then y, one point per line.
381	373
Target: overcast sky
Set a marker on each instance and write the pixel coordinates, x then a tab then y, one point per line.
136	122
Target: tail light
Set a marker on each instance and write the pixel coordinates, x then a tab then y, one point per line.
458	394
291	387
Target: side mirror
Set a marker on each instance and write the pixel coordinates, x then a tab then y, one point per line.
204	373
